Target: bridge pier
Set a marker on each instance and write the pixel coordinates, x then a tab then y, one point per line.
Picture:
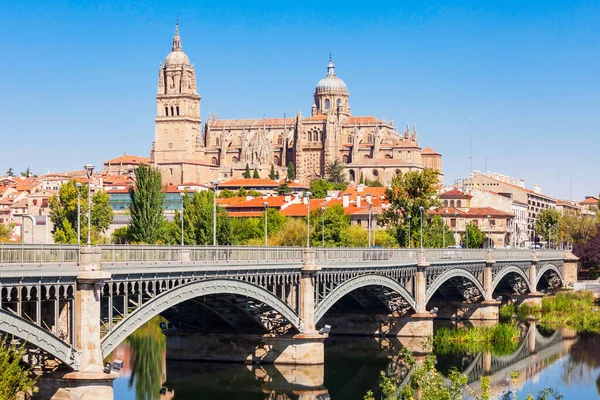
534	298
569	269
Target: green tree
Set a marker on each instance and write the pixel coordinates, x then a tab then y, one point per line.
255	175
355	236
291	172
6	232
373	183
384	238
547	223
253	193
246	229
241	192
27	173
362	178
15	379
121	235
277	175
334	221
575	229
272	173
283	189
292	233
334	172
63	213
146	208
319	188
198	221
408	192
275	221
247	172
226	194
437	234
10	172
473	238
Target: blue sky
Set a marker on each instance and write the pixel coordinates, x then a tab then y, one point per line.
80	77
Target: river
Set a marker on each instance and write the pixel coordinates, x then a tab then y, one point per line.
559	359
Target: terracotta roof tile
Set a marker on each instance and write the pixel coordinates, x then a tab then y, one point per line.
362	120
127	159
483	212
455	193
429	151
249	183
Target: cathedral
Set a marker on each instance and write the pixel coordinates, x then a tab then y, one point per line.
187	151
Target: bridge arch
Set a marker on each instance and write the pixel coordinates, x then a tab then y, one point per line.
449	274
189	291
511	269
21	328
361	282
546	268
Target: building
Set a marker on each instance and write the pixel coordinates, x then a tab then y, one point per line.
536	201
124	165
589	206
221	149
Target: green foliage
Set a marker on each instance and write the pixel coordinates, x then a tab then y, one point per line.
500	339
355	236
121	235
362	178
247	172
272	173
291	172
334	172
334	221
244	230
198	220
437	234
146	206
383	238
63	214
15	380
275	221
256	175
277	175
576	229
283	189
507	312
227	194
253	193
407	193
292	233
27	173
575	310
547	223
241	193
10	172
473	238
6	232
319	187
373	183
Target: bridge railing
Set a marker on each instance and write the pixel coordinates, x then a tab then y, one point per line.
350	254
550	254
36	254
199	254
512	254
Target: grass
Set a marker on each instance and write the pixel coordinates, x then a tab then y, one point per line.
507	312
499	339
575	310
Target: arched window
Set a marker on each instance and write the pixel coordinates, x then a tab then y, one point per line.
366	156
388	156
280	140
445	203
327	104
217	141
375	173
349	139
370	138
235	159
276	160
458	203
397	171
351	175
214	161
338	103
177	108
316	136
172	111
171	171
345	159
166	111
452	203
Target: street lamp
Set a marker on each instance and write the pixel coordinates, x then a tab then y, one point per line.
78	186
182	196
444	232
490	242
549	227
455	228
307	197
369	238
323	226
215	184
409	218
266	222
421	212
89	168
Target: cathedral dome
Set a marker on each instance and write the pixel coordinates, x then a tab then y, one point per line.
176	56
331	81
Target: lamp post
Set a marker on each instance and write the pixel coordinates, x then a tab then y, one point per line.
444	232
323	226
369	238
421	212
549	227
89	168
490	242
215	184
455	227
266	222
182	196
307	197
78	188
409	218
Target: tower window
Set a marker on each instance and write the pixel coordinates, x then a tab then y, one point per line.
172	111
345	159
370	138
177	110
217	141
276	160
338	102
214	161
327	104
167	111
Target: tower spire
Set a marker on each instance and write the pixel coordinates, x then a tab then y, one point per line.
330	67
176	38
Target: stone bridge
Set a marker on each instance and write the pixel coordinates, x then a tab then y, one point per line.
77	304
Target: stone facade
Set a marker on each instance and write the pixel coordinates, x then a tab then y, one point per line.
366	145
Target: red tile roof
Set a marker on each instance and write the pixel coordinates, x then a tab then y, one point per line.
362	120
483	212
455	193
245	214
446	211
429	151
127	159
299	210
258	202
230	201
589	200
376	191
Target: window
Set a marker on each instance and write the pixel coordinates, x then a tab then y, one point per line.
280	140
370	138
35	202
214	161
167	111
345	159
327	104
445	203
388	157
458	203
375	173
217	141
475	222
172	111
351	175
171	171
349	139
452	203
492	223
177	110
338	103
276	160
170	145
453	223
235	159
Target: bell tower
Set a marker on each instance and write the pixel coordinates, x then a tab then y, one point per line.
177	107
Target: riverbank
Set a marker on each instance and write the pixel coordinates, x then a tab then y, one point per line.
500	339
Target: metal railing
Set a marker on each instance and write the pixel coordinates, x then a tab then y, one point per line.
455	254
512	254
37	254
550	254
350	254
199	254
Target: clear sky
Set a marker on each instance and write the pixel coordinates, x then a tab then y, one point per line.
79	78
